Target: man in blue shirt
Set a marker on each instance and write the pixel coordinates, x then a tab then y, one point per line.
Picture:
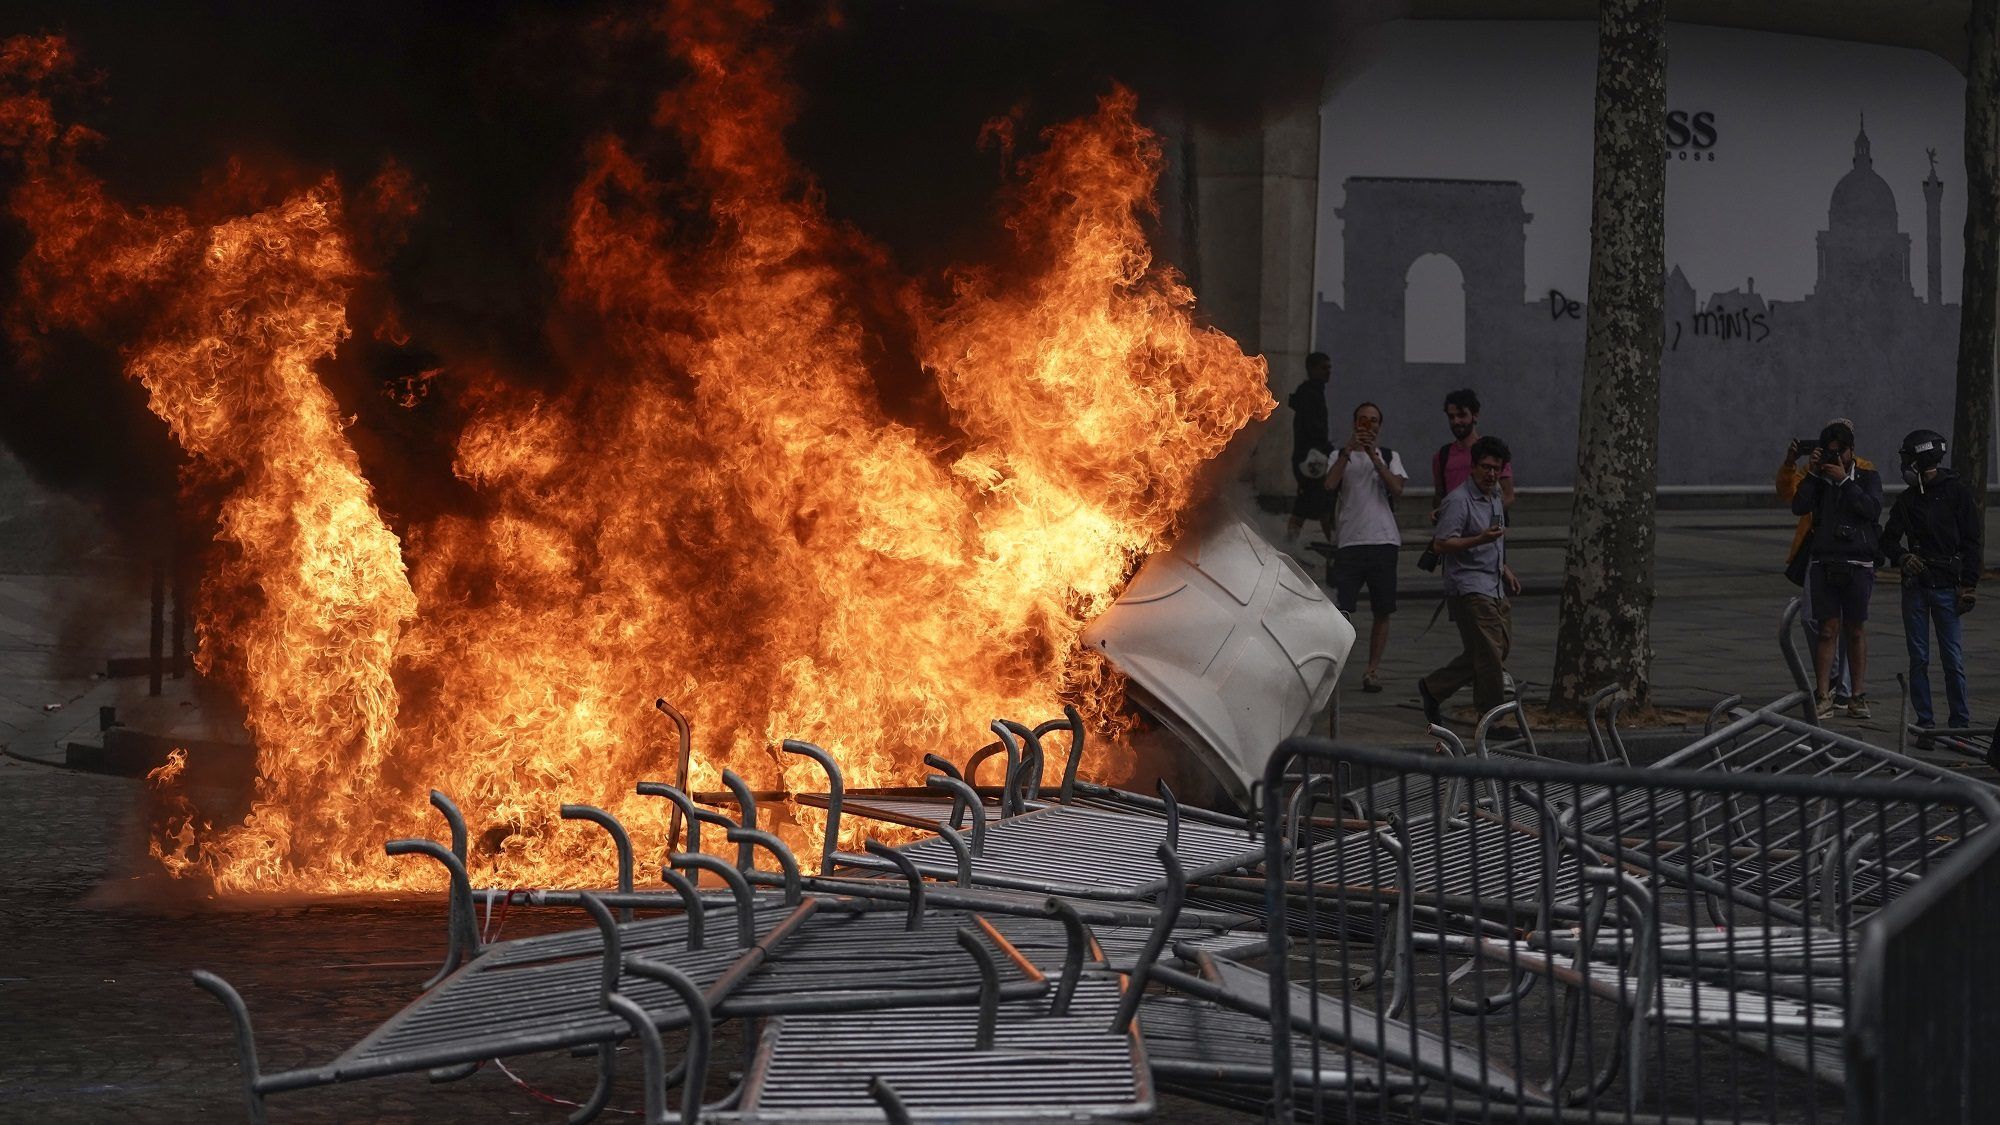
1471	539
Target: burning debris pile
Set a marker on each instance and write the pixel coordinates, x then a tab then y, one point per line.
715	504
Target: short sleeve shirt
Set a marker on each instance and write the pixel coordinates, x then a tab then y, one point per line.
1366	515
1468	511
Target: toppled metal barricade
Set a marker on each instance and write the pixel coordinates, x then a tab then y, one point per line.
863	991
1475	934
1626	942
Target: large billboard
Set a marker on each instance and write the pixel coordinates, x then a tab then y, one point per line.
1815	209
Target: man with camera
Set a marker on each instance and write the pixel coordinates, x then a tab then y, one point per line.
1366	481
1470	537
1789	475
1844	501
1933	537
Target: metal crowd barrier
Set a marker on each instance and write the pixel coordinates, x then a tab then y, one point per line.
1663	944
1925	1012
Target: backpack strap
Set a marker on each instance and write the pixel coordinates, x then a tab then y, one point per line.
1437	469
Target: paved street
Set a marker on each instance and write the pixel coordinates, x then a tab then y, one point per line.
1715	623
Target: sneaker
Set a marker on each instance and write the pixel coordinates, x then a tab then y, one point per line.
1371	683
1857	708
1822	706
1433	713
1840	699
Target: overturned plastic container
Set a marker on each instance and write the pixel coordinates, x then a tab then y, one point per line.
1228	645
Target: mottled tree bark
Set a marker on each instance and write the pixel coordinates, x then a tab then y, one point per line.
1972	413
1607	597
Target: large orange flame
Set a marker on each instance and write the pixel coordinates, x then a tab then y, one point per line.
719	510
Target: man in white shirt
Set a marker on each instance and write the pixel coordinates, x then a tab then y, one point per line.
1365	480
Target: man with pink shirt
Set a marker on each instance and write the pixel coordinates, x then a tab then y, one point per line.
1451	465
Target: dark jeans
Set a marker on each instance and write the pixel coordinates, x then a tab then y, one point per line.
1922	607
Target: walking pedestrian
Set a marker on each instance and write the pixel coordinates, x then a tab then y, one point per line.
1311	447
1365	482
1452	463
1471	539
1933	536
1844	501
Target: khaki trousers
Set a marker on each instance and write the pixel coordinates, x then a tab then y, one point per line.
1486	629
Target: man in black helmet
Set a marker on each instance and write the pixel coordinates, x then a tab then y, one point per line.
1933	536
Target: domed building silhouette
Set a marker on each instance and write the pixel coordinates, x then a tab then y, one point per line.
1863	256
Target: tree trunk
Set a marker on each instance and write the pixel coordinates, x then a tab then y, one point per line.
1607	596
1972	413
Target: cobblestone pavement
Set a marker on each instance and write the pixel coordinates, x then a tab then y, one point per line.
105	1022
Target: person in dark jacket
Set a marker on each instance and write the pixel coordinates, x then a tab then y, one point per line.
1311	434
1933	537
1789	475
1844	501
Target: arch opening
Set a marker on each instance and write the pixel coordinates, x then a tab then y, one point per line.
1434	311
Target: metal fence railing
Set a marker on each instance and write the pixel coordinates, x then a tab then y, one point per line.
1925	1017
1505	939
1776	923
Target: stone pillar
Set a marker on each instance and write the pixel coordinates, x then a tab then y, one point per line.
1173	236
1290	242
1257	209
1228	211
1933	240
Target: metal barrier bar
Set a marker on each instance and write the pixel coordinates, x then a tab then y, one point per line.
1924	1026
1616	944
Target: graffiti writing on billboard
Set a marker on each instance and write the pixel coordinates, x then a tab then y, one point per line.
1748	325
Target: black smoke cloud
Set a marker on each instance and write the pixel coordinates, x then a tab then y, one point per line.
895	100
491	108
